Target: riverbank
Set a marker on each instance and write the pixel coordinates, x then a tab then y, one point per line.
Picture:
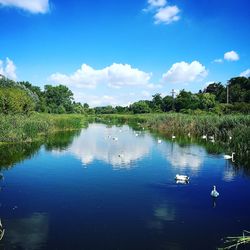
222	127
22	128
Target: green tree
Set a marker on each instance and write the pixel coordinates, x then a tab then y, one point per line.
186	100
167	103
207	101
157	102
58	96
218	90
140	107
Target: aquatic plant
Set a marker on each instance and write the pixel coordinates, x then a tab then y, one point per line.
236	241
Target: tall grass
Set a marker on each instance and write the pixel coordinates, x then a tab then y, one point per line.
18	128
221	127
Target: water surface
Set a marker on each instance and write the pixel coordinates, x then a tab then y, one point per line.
89	190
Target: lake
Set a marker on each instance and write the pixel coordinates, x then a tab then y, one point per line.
111	187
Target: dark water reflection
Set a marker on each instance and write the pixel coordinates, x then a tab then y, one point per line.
114	188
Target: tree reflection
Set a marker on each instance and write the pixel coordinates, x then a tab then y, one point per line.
11	154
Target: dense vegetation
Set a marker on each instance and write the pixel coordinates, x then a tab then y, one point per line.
23	97
23	128
212	99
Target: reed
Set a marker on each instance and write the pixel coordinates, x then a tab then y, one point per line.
20	128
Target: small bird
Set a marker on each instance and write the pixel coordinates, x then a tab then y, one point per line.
115	138
159	141
228	157
214	192
173	137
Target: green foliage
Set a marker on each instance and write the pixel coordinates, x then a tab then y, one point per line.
15	101
218	90
58	99
140	107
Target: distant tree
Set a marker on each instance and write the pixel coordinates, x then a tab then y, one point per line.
140	107
239	89
121	110
157	103
218	90
186	100
207	101
167	103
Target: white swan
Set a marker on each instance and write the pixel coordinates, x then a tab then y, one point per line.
180	177
159	141
227	157
214	192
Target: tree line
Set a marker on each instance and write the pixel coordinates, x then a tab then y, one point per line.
24	97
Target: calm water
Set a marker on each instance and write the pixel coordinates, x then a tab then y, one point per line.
85	190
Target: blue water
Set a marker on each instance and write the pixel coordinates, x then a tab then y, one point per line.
99	193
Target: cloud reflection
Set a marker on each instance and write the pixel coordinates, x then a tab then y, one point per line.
191	157
96	143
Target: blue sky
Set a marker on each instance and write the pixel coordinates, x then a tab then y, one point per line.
116	52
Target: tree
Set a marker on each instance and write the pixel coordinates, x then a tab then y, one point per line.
207	101
218	90
140	107
157	102
167	103
239	89
58	96
186	100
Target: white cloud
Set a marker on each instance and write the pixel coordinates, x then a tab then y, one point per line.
157	3
245	73
219	60
116	76
167	15
123	74
183	72
96	100
231	56
8	69
33	6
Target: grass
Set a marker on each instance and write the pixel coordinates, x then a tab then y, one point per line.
20	128
173	123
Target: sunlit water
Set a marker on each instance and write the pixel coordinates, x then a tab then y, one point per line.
91	191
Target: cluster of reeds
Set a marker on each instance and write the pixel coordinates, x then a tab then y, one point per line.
19	128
